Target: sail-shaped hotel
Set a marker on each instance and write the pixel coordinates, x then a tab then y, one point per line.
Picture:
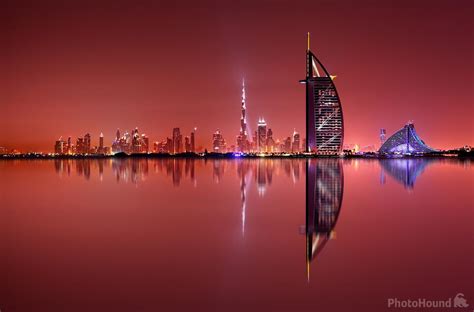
324	121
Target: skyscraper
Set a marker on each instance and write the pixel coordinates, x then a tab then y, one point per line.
383	132
136	142
80	146
218	142
145	144
261	135
287	145
270	143
242	138
69	145
177	141
324	122
87	144
295	146
187	144
59	146
101	144
193	143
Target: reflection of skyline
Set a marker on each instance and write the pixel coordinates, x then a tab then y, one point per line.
324	183
324	193
136	170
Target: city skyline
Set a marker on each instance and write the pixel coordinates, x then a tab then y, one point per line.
67	77
222	155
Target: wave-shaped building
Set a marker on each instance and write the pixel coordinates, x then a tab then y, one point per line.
405	141
324	121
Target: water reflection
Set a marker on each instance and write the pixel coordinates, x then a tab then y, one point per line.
255	229
324	192
136	170
404	171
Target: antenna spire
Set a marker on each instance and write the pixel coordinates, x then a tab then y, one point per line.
308	40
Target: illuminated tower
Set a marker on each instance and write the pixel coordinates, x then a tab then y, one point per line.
324	122
69	145
145	143
382	136
59	146
101	143
193	143
261	135
87	144
242	139
218	142
177	141
270	142
136	143
295	146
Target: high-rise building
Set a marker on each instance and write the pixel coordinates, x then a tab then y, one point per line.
295	146
177	141
270	143
242	138
101	144
145	143
218	142
187	144
59	147
261	135
136	142
287	145
324	121
193	143
87	144
69	146
382	136
169	145
80	146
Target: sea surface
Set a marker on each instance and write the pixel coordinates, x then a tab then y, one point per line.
235	234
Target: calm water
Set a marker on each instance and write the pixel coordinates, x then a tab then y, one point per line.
234	235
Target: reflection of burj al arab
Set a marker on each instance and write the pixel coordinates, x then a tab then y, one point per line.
324	191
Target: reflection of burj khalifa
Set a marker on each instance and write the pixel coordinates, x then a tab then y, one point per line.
324	191
243	171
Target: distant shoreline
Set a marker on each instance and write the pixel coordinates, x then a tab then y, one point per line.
450	154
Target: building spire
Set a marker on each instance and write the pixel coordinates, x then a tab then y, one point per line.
308	40
243	91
